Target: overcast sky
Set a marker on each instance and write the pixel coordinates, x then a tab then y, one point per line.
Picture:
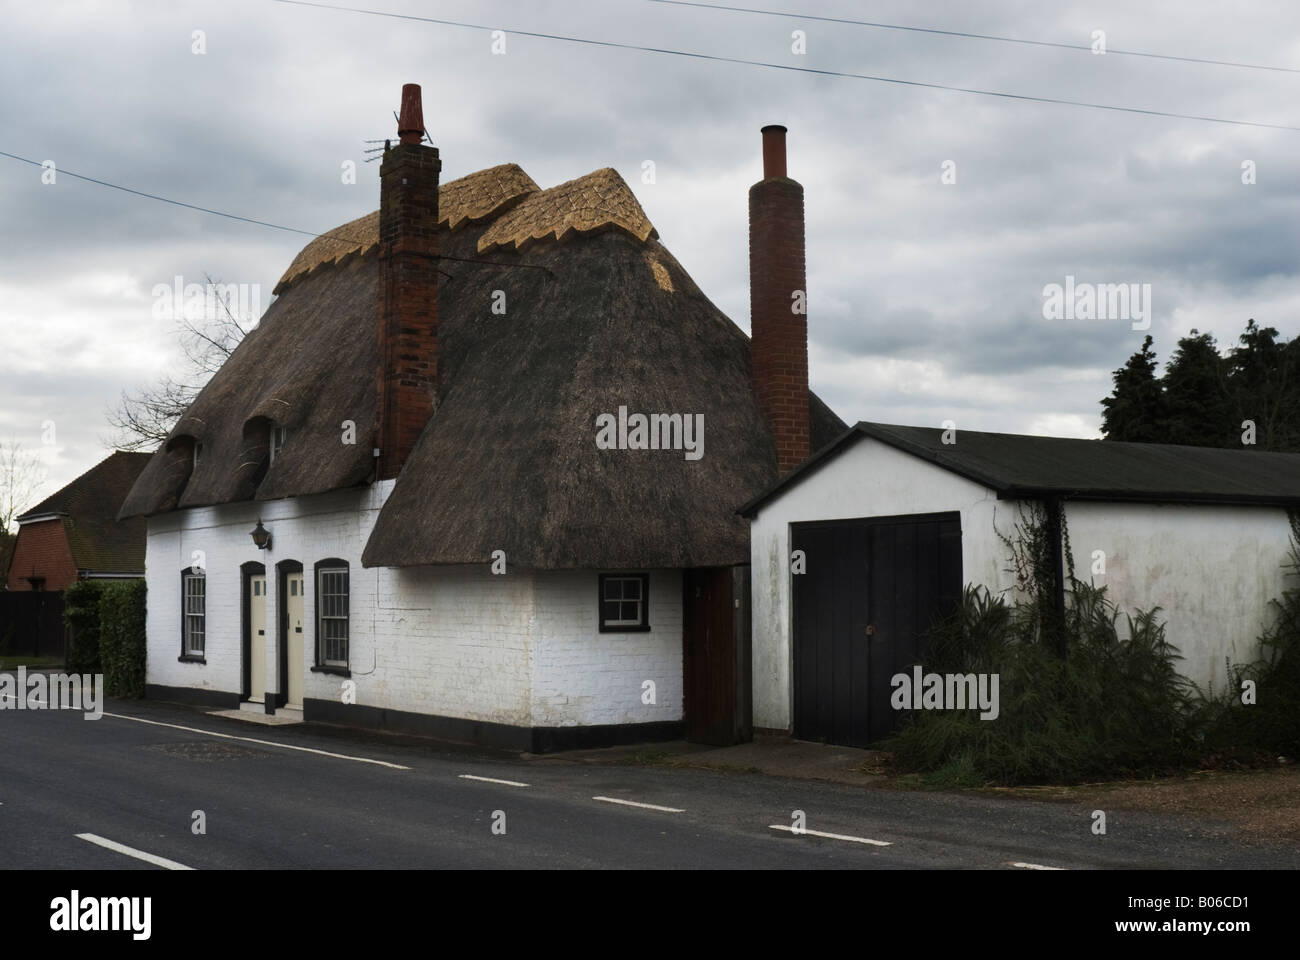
925	298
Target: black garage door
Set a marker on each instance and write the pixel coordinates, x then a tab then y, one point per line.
871	587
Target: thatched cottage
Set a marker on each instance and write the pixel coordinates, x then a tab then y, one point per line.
476	471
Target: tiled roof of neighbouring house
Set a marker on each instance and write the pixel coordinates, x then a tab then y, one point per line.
100	542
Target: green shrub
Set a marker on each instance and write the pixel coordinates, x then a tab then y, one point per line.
81	615
1112	707
122	637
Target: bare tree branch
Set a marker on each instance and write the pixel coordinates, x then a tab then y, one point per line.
21	476
143	419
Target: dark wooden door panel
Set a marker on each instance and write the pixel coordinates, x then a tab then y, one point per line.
710	652
870	591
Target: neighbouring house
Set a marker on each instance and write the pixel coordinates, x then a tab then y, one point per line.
475	473
890	522
69	536
75	534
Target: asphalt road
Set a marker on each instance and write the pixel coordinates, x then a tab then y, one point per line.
278	804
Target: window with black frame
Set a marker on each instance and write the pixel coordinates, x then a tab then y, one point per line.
624	602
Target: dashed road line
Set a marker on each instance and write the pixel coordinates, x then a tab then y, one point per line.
1031	866
645	806
830	836
113	845
508	783
265	743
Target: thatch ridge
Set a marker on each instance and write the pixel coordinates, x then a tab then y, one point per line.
470	199
597	202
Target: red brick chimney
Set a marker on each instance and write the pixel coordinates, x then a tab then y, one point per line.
408	287
777	303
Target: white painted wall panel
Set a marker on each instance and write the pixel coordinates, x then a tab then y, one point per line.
583	676
1211	569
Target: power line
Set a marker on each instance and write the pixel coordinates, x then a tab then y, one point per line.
154	196
1110	51
331	235
812	70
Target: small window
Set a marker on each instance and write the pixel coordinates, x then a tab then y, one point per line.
198	453
194	616
279	435
624	602
332	614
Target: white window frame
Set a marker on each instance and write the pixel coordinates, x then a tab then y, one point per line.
279	437
194	609
328	611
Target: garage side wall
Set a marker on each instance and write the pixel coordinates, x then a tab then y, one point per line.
1211	569
869	479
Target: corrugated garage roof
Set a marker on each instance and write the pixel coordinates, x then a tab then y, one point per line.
1019	467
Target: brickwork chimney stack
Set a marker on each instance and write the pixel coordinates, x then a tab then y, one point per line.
778	303
408	288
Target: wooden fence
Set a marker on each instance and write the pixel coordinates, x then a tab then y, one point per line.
31	624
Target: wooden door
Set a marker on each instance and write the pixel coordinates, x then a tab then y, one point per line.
831	701
296	647
256	638
715	649
869	592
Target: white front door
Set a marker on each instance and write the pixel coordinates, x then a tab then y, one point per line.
293	609
256	639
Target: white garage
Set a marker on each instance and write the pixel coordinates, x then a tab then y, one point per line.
892	521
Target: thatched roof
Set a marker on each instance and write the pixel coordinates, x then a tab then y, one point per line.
88	507
509	460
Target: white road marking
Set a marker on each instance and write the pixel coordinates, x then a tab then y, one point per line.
508	783
1033	866
265	743
633	803
10	696
133	852
830	836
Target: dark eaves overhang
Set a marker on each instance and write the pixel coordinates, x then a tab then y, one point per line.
1004	490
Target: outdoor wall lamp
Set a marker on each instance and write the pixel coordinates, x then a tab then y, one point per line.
261	536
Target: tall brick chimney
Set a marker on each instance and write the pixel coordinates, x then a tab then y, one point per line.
777	303
408	287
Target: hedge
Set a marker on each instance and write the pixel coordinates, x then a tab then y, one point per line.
81	614
122	638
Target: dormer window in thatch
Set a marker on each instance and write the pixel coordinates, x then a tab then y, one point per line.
198	453
279	435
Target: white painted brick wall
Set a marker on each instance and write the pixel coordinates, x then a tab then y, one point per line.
582	676
520	649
